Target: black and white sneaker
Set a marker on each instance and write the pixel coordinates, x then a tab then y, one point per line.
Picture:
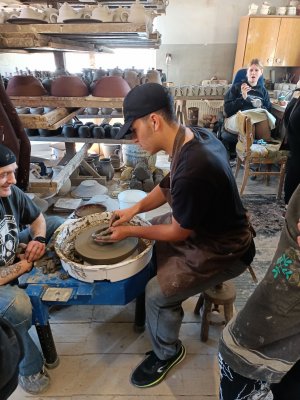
152	370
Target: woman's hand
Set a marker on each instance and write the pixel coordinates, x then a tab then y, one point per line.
245	89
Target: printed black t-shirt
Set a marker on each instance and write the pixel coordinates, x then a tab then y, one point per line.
204	192
15	210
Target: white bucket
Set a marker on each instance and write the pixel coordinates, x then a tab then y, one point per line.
129	198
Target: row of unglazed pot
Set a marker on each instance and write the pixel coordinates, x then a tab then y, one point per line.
73	86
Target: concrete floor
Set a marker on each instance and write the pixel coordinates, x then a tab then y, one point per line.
98	347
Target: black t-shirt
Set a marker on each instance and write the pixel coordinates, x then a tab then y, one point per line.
15	210
204	192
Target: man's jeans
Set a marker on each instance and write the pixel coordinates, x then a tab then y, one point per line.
52	223
164	314
15	306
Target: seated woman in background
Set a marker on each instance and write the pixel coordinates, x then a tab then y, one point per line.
249	94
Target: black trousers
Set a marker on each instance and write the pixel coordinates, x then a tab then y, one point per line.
234	386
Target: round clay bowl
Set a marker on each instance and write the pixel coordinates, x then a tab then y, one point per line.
88	209
20	85
110	86
69	86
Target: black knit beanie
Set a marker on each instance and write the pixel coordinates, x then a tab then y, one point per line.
7	157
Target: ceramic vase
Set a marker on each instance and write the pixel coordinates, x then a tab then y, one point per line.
105	168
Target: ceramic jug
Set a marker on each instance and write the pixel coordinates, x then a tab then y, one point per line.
29	13
120	15
105	168
102	13
67	12
153	76
137	13
51	14
253	9
131	76
265	8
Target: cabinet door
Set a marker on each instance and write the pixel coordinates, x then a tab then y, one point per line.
288	45
262	39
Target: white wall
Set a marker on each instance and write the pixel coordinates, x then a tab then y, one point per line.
201	35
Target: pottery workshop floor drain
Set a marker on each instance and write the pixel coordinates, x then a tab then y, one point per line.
99	253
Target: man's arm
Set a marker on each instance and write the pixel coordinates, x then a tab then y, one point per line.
35	249
8	274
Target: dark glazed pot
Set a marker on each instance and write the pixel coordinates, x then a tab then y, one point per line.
110	86
84	131
68	130
20	85
98	132
69	86
105	168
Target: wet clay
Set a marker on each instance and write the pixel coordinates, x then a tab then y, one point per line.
99	253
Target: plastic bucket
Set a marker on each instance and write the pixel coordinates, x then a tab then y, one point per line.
129	198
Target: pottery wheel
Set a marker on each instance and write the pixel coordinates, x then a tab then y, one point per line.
98	254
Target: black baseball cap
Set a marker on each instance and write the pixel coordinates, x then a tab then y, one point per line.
141	101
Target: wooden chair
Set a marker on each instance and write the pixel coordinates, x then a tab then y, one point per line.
248	156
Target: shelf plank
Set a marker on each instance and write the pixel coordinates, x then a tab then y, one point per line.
77	140
81	102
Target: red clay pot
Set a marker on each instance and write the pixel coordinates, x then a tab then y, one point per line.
69	86
110	86
20	85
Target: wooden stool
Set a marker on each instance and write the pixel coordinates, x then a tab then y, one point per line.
224	295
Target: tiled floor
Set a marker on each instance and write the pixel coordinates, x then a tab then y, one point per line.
98	348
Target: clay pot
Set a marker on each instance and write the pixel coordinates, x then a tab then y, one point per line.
98	132
69	86
105	168
110	86
84	131
20	85
68	130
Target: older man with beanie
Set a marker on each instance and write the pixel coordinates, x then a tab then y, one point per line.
16	209
204	241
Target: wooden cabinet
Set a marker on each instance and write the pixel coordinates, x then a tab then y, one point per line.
272	39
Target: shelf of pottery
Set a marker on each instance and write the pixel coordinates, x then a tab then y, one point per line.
83	28
207	98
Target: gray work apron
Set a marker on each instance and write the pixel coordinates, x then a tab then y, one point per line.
184	265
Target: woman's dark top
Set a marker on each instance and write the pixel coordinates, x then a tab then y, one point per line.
234	101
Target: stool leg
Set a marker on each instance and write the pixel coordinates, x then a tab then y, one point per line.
205	321
140	313
228	312
199	304
47	344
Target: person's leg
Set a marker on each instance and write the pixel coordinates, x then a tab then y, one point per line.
15	306
234	386
164	316
289	386
52	223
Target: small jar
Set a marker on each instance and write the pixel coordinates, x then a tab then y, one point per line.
105	168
